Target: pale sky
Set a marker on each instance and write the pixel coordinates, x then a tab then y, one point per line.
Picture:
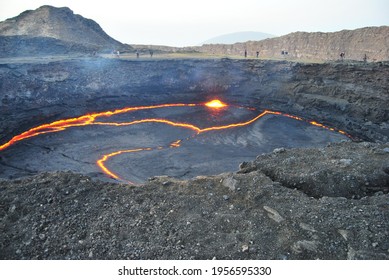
187	23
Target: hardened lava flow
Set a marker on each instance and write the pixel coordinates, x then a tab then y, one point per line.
91	119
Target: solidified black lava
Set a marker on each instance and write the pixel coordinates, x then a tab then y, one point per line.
79	148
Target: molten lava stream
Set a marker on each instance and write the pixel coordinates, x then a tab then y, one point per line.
101	162
90	119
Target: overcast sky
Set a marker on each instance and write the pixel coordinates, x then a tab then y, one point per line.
185	23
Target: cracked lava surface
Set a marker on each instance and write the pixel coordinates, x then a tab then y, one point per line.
191	121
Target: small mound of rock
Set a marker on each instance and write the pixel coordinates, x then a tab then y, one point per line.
351	170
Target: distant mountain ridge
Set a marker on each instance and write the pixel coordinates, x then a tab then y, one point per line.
60	24
237	37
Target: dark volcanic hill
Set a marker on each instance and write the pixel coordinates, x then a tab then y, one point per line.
55	27
372	41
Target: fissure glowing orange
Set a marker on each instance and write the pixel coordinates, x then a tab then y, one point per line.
90	119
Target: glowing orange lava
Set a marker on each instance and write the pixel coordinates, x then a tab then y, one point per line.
87	119
90	119
176	144
108	172
216	104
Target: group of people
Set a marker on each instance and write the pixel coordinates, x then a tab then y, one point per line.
245	53
342	55
151	52
257	53
117	53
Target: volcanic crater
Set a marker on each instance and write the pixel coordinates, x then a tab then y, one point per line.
290	130
129	120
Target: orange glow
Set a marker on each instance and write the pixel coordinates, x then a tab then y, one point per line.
48	128
185	125
87	119
216	104
108	172
234	124
90	119
175	144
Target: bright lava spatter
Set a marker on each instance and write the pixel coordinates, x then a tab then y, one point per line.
216	104
90	119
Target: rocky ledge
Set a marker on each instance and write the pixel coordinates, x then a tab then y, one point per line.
251	214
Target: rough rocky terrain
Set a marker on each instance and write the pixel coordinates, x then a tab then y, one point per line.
16	46
246	215
329	202
316	46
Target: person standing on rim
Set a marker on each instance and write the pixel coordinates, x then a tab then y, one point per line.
245	53
342	55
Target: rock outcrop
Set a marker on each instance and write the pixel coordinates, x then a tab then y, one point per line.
54	26
317	46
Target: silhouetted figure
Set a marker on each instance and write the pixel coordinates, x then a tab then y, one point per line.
245	53
365	58
151	53
342	55
257	54
137	54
